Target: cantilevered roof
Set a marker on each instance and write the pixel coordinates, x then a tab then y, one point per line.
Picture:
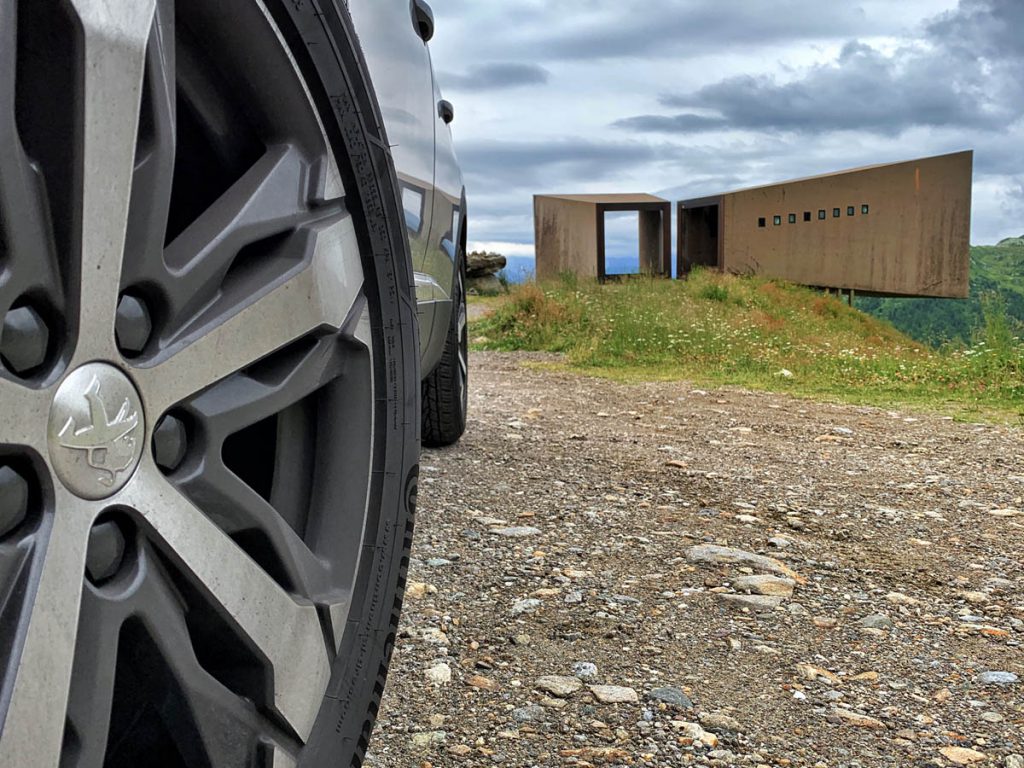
611	199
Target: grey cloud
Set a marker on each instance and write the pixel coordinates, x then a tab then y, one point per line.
496	76
947	83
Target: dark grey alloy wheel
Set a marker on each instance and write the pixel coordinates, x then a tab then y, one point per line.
208	389
446	389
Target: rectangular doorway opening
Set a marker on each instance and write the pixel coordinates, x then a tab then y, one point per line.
698	230
621	243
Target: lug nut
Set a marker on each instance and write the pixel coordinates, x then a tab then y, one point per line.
24	340
13	500
106	551
133	325
170	440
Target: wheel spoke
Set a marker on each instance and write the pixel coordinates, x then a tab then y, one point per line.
34	723
320	296
116	33
23	416
287	634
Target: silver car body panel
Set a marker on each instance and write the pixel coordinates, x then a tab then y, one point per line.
433	193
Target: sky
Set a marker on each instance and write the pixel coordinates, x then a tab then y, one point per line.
683	98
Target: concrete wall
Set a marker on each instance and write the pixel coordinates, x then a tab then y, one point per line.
914	239
565	236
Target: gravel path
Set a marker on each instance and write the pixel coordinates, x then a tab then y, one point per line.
655	575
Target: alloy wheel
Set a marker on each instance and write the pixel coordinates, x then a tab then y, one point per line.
191	366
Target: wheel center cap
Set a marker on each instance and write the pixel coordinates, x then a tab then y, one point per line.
96	431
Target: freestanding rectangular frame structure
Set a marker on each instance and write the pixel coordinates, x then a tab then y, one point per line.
570	233
901	229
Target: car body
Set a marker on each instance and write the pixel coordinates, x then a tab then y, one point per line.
391	33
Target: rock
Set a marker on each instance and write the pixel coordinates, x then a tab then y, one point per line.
558	685
614	694
439	674
898	598
717	555
754	602
721	722
438	562
584	670
975	598
858	720
780	542
434	636
765	585
671	696
428	739
962	755
992	717
1015	761
998	678
418	589
876	621
480	264
526	606
573	597
481	682
528	714
489	285
516	531
812	673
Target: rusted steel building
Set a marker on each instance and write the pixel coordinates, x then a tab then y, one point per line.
900	229
570	233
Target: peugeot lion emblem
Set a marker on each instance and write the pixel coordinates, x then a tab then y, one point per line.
108	444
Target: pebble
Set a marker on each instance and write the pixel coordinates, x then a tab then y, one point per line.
717	721
962	755
438	562
516	532
614	694
558	685
718	555
765	585
858	720
754	602
428	739
672	696
585	670
529	605
998	678
528	714
876	621
439	674
1015	761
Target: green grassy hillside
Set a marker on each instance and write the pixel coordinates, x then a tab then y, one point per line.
997	275
716	329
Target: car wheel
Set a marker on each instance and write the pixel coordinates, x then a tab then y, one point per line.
446	389
208	389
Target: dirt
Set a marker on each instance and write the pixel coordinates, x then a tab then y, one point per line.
582	523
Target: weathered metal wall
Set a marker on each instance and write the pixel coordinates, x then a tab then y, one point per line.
565	237
908	233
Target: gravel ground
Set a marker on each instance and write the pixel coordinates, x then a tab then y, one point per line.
611	575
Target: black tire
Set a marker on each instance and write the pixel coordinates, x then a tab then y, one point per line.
446	389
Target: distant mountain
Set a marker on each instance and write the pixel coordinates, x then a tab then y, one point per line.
996	271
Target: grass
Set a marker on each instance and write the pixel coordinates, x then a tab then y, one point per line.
722	330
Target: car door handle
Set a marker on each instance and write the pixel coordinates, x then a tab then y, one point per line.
423	19
446	111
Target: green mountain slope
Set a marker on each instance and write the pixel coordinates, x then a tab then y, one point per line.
997	272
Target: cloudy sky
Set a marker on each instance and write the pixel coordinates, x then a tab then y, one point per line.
689	97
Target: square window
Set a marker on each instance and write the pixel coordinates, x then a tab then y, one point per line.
864	209
807	215
792	218
850	210
836	213
821	214
761	222
777	220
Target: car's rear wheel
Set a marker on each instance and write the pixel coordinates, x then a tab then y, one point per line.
208	388
446	389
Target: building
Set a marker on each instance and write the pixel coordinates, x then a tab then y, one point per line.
570	235
901	229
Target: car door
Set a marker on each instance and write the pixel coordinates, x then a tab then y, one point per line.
393	35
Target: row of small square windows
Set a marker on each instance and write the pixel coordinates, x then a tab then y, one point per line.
822	215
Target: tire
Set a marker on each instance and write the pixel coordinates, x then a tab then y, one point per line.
209	386
446	389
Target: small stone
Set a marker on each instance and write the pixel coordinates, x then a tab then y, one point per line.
717	555
717	721
516	532
438	562
526	606
528	714
614	694
780	542
671	696
975	598
754	602
428	739
558	685
419	589
765	585
481	682
1015	761
585	670
574	597
962	755
998	678
461	750
439	674
898	598
434	636
992	717
876	621
858	720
